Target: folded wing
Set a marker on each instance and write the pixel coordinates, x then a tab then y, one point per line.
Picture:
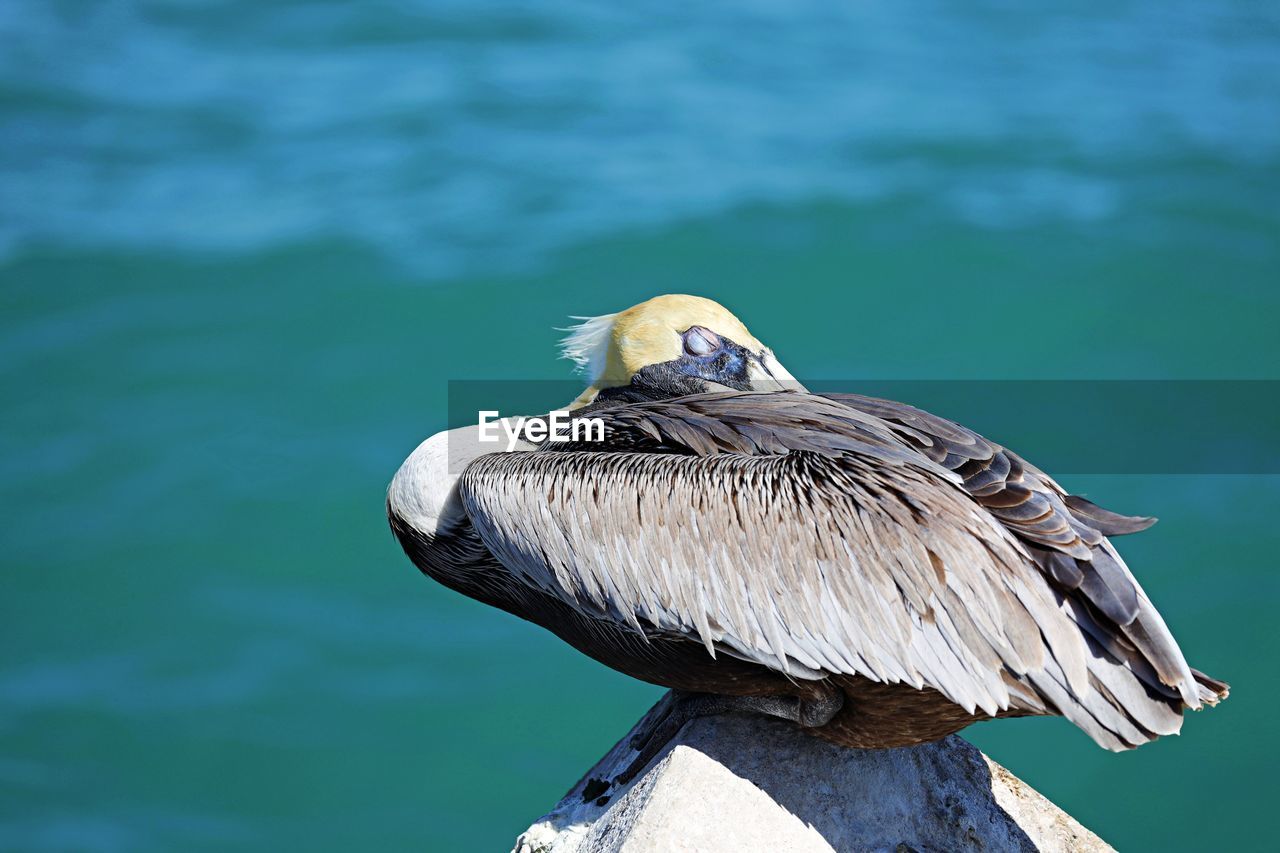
809	536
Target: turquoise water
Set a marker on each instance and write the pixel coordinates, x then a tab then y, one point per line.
244	246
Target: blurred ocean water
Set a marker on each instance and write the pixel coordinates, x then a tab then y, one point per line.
244	246
460	135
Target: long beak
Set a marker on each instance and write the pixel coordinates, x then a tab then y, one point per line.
766	373
583	399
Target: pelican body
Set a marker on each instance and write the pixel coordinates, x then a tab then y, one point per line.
876	574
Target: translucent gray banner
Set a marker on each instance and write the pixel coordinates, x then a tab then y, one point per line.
1063	426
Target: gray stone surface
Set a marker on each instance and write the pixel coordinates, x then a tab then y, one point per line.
735	783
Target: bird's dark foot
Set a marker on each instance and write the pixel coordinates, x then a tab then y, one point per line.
682	707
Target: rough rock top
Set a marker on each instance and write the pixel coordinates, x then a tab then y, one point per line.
737	783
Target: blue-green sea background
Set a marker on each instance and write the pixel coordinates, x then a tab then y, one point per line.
244	245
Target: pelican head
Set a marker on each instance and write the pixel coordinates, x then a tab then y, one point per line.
672	344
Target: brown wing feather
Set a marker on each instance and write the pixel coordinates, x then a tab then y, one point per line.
813	537
1069	532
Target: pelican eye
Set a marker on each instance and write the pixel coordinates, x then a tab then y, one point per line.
700	341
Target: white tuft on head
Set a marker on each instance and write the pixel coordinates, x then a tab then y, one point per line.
587	344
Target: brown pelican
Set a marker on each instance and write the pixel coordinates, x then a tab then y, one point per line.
873	573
